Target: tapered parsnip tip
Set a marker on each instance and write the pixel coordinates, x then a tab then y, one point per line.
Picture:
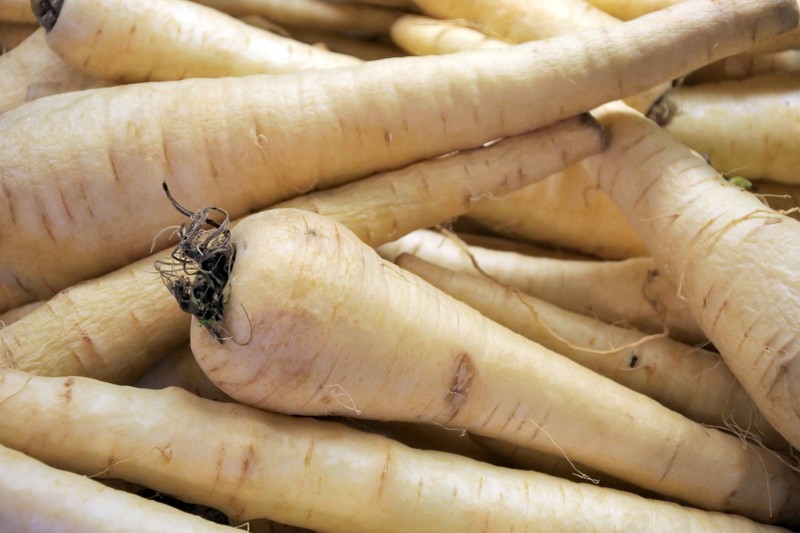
46	12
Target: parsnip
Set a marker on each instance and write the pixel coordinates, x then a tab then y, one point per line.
353	335
32	64
520	21
631	292
39	498
132	41
725	121
733	259
325	476
421	35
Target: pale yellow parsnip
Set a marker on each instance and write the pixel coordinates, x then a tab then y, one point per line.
725	121
38	498
298	471
733	259
131	41
629	292
348	333
32	63
420	35
117	325
520	20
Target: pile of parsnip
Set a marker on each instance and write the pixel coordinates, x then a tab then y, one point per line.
399	265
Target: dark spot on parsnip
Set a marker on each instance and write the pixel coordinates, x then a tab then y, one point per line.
463	375
47	12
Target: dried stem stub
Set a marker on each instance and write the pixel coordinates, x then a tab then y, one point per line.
197	271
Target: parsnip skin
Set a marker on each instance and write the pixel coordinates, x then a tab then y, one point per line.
566	210
132	41
321	325
38	498
733	259
725	121
94	198
250	463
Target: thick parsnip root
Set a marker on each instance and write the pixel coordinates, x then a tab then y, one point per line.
725	121
734	260
122	322
38	498
319	475
690	380
348	333
244	143
112	328
132	41
632	292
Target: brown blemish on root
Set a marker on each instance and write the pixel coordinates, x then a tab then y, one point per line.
463	375
67	393
247	461
384	473
669	465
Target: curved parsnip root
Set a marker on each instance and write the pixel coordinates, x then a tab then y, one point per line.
132	41
104	335
33	63
112	328
631	292
265	138
519	21
293	470
350	334
421	36
711	239
37	498
313	14
568	210
725	121
689	380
